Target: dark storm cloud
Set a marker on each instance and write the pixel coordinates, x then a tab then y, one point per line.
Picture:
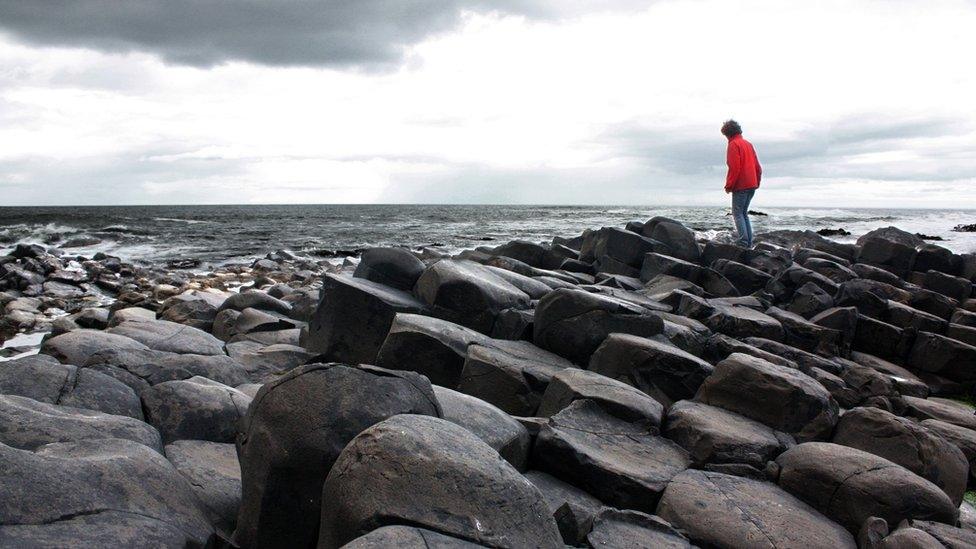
271	32
839	149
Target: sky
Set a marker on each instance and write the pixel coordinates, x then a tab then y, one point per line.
866	103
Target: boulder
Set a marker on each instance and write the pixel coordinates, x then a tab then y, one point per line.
408	537
198	313
933	302
810	300
831	269
143	368
467	293
678	238
740	322
44	379
803	360
77	346
573	509
905	382
28	424
894	254
257	300
513	384
746	279
286	447
97	493
718	510
784	399
930	408
661	370
393	267
634	530
944	356
903	316
801	333
265	362
961	437
945	535
620	462
881	339
456	486
196	409
656	264
617	398
354	316
493	426
163	335
622	246
214	476
907	443
714	435
573	323
955	287
532	287
850	485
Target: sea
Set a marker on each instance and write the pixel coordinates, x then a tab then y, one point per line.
210	236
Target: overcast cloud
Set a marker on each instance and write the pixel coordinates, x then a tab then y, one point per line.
506	101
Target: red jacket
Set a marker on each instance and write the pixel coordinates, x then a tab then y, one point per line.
744	169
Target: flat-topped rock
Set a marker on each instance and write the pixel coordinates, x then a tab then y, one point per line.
573	509
718	510
408	537
214	476
741	322
619	462
927	408
634	530
661	370
354	316
467	293
616	397
163	335
713	435
513	384
573	323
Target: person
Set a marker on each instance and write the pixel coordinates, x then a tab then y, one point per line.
743	179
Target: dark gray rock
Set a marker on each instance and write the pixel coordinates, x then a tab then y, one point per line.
573	509
850	485
393	267
195	409
44	379
354	316
932	408
467	293
255	299
943	356
573	323
634	530
198	313
784	399
625	247
908	444
214	476
661	370
955	287
881	339
905	382
163	335
617	398
97	493
806	335
513	384
746	279
718	510
961	437
810	300
680	239
28	424
741	322
803	360
286	447
656	264
903	316
714	435
456	485
77	346
265	362
620	462
496	428
142	368
408	537
946	535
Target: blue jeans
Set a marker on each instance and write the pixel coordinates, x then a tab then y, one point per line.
740	215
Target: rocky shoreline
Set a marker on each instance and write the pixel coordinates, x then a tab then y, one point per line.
628	387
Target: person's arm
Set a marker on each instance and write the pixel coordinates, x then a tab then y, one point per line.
735	167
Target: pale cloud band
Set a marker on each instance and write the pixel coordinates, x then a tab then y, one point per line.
518	101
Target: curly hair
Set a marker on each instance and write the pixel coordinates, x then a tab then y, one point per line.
731	128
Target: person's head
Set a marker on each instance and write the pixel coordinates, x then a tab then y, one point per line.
731	128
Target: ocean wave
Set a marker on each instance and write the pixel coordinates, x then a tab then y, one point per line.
177	220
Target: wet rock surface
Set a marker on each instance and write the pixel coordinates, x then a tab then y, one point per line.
632	386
